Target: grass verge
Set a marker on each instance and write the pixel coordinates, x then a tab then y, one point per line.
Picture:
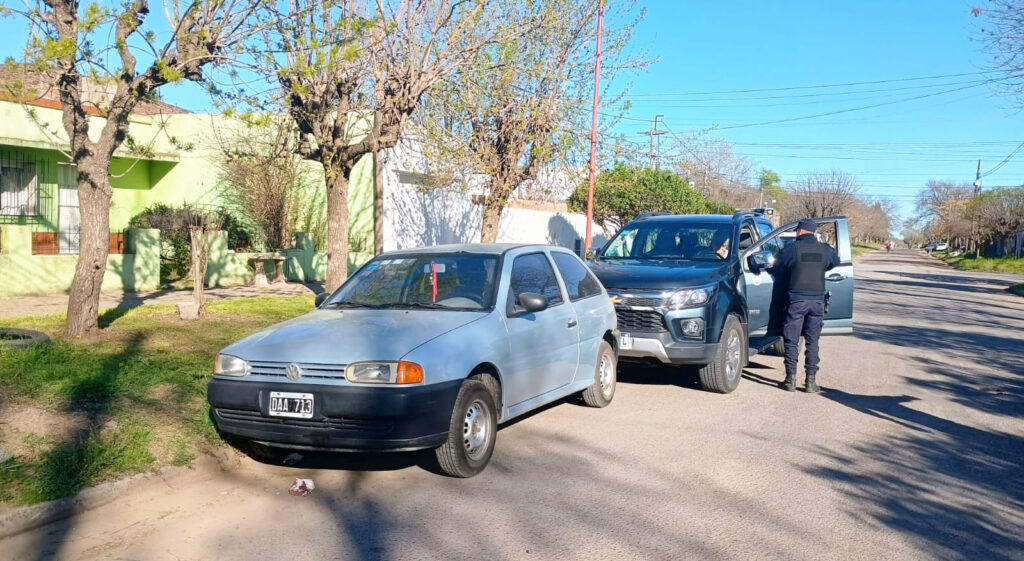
77	413
861	249
967	262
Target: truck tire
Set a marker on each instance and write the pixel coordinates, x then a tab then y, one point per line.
724	373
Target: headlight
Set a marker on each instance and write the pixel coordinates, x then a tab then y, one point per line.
690	297
384	373
227	365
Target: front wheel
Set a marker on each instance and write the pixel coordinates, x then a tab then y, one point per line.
600	394
471	432
723	374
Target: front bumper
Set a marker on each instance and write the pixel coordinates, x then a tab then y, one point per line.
663	348
344	417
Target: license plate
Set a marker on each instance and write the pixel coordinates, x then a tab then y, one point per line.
290	404
625	341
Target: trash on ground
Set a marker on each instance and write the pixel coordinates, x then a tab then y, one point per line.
4	456
292	459
301	487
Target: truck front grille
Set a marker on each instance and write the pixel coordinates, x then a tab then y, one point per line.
640	321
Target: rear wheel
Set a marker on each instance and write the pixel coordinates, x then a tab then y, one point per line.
723	374
600	394
471	433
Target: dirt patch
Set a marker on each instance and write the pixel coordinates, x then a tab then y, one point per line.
18	421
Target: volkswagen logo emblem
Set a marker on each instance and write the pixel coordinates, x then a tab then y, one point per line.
293	372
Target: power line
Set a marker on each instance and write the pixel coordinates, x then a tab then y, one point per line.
1002	163
819	86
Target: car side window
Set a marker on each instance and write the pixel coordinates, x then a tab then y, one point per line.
773	244
533	273
579	282
746	237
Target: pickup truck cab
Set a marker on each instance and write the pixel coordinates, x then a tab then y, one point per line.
697	289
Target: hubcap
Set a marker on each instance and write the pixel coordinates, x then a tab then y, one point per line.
732	356
476	429
606	376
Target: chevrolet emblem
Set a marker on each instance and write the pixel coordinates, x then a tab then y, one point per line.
616	300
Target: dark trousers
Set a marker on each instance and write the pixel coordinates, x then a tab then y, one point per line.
803	317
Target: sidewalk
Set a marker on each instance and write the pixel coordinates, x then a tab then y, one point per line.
49	304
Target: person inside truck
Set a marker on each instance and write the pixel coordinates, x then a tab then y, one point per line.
721	244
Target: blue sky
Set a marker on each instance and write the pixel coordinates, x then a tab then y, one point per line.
727	46
723	46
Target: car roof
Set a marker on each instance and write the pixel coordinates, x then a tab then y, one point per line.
484	248
714	218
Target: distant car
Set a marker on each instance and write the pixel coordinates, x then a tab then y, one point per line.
425	348
941	246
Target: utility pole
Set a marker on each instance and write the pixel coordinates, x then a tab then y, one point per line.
977	188
654	132
593	129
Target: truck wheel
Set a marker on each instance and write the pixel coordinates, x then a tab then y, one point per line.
600	394
471	432
723	374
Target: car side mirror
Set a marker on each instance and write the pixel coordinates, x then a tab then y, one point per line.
590	254
761	260
531	302
320	299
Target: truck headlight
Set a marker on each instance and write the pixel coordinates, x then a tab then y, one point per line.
384	373
690	297
227	365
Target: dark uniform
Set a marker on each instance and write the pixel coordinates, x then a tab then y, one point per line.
802	265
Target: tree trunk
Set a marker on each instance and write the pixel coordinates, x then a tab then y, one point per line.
378	202
94	194
493	206
337	228
199	253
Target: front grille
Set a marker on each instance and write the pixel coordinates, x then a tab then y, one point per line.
640	321
642	301
309	371
336	423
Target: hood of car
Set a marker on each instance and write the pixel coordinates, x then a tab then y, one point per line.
657	274
350	335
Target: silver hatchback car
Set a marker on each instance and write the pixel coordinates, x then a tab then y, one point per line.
424	348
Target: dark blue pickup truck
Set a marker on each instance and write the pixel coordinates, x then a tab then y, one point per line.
697	289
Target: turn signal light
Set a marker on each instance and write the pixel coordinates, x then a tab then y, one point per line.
409	373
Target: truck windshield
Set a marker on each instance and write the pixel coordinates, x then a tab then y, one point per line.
666	240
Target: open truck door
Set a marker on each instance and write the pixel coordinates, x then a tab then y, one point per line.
766	299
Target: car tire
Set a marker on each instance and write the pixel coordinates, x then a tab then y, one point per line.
471	432
778	348
724	373
602	391
14	338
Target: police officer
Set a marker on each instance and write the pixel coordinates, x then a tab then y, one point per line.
801	265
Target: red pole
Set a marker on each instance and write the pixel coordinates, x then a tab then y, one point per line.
593	127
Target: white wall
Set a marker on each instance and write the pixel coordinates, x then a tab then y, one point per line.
415	218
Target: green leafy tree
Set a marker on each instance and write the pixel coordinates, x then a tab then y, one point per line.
623	193
74	42
771	187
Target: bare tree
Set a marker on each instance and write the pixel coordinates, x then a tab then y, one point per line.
944	207
824	193
999	212
261	174
521	105
201	226
1002	30
715	170
74	41
352	72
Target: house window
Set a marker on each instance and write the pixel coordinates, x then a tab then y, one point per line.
19	189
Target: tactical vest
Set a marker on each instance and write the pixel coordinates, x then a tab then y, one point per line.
809	273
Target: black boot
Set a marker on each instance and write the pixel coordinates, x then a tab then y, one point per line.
810	386
790	383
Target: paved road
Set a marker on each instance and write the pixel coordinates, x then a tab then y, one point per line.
914	452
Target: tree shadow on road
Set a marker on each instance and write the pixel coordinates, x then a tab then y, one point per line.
955	489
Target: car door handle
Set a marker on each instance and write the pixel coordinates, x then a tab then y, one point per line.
835	277
571	324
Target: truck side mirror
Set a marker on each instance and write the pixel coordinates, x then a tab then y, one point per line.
761	260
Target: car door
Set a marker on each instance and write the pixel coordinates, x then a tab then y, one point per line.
758	285
544	345
838	281
591	306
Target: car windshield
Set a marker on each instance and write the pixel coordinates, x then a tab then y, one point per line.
461	281
668	240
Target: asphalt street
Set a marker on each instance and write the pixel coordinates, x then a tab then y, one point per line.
914	451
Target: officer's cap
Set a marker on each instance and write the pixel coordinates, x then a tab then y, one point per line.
808	225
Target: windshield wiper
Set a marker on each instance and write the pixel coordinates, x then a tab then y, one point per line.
419	305
355	305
